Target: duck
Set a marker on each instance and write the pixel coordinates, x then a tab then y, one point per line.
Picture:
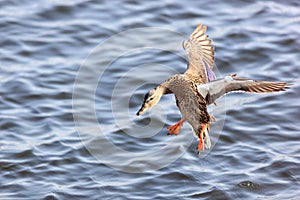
198	87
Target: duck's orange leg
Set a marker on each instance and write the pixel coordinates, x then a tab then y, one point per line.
175	129
201	144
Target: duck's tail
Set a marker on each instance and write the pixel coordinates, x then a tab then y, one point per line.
207	142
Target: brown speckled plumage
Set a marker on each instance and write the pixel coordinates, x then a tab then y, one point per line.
195	79
190	103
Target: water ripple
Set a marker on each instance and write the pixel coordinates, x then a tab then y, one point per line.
43	155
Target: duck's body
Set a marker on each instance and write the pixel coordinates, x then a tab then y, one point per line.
197	87
192	106
189	101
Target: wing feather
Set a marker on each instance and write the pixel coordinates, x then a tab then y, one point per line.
200	53
217	88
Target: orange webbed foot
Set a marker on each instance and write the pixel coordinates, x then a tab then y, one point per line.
200	144
175	129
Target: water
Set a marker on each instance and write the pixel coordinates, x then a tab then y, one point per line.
56	145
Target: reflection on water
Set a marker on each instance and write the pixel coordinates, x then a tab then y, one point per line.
46	155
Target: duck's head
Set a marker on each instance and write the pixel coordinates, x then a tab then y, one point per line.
151	99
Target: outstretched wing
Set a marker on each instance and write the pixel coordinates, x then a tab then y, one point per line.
200	54
217	88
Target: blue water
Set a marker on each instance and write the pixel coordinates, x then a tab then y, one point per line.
74	73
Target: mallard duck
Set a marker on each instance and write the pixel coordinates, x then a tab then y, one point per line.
198	87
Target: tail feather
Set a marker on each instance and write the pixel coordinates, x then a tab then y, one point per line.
207	142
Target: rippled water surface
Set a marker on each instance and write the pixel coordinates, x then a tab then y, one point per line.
73	74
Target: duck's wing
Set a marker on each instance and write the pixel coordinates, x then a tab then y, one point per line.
217	88
200	54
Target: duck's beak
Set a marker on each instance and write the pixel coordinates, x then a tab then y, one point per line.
142	109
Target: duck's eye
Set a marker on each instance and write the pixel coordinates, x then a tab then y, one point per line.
151	98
